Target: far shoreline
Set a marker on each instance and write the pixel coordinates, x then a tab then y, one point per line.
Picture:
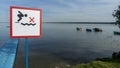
82	22
77	22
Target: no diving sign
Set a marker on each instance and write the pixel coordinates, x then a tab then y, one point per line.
25	22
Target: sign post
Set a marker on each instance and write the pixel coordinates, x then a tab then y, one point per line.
25	23
27	52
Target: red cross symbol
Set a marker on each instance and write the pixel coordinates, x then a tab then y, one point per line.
31	19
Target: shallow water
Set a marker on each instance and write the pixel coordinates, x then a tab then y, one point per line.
61	45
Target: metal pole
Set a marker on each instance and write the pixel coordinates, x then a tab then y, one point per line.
26	52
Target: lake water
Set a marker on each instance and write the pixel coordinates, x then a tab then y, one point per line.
61	45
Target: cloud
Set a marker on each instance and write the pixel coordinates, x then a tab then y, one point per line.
67	10
83	10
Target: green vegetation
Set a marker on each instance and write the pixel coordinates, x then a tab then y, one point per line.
113	62
99	64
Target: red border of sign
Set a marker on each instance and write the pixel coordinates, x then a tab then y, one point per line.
15	7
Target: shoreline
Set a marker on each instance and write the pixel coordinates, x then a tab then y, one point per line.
113	62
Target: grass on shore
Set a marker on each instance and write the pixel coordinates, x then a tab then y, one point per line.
101	63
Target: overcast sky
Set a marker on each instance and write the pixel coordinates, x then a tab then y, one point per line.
65	10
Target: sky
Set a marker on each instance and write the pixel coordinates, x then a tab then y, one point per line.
65	10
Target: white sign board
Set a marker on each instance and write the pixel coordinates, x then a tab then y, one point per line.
25	22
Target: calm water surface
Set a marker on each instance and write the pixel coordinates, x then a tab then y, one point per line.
61	45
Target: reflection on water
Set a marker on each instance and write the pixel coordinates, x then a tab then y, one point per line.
61	45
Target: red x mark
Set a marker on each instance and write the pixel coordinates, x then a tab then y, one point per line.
31	19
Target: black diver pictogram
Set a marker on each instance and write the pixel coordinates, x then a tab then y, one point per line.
20	16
